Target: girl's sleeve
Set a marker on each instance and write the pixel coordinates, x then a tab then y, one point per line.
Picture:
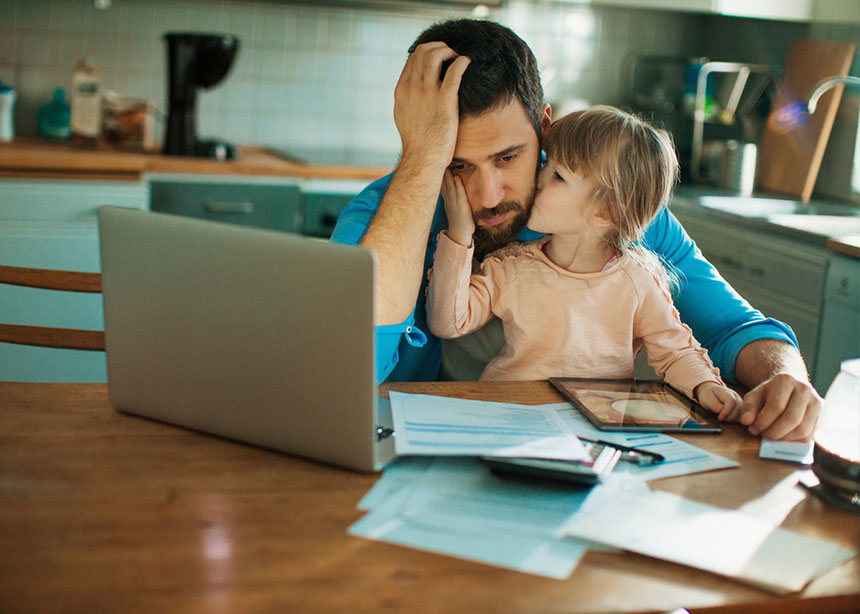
672	349
719	317
457	301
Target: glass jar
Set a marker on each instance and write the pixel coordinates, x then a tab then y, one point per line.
836	456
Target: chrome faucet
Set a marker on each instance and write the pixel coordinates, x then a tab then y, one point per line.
825	84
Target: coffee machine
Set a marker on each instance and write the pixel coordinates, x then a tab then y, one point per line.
194	61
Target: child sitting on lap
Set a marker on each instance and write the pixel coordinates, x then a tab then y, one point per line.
583	300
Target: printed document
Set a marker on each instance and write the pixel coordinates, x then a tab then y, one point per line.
432	425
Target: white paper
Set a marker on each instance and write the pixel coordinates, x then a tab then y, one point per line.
455	506
724	542
790	451
433	425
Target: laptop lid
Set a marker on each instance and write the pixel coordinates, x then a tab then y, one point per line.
258	336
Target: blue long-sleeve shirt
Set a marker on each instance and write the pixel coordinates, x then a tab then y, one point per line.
721	320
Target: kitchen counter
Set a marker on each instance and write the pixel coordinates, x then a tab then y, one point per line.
827	224
848	245
34	159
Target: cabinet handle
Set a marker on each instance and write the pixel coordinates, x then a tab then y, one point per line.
212	206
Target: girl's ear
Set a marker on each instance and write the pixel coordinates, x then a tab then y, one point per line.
603	217
602	220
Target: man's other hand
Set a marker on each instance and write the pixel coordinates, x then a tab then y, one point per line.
425	107
783	407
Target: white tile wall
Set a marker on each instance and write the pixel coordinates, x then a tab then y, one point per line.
310	78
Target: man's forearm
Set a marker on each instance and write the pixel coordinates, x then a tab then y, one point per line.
760	360
398	234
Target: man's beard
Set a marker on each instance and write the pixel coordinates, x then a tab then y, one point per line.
490	238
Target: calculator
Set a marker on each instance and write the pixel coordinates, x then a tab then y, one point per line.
601	462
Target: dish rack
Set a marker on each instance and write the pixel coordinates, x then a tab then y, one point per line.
697	92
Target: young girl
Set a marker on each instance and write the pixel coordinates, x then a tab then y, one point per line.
583	300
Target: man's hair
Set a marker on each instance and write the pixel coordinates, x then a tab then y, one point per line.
502	67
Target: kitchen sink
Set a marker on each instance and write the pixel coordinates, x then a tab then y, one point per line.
750	206
830	225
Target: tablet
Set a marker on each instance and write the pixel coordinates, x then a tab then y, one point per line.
635	405
602	461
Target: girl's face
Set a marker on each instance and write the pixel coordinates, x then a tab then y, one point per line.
561	204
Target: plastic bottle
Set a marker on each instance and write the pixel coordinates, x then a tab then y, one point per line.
86	107
54	117
7	112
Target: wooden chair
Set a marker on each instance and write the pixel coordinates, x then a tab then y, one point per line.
45	336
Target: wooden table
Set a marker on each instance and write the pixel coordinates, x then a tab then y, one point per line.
105	512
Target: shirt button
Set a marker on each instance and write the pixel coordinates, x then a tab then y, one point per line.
408	329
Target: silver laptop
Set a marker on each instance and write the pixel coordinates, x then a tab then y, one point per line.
257	336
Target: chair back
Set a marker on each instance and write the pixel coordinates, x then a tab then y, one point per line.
47	336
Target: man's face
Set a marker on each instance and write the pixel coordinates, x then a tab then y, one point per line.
496	157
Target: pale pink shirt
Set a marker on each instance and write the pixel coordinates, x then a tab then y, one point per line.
563	324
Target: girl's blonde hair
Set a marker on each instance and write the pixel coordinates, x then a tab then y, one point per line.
632	165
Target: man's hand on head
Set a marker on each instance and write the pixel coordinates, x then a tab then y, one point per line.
425	108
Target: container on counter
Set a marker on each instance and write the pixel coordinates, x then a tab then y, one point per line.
86	104
7	112
54	117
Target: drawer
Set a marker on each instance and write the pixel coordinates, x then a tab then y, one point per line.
763	259
67	200
276	207
782	272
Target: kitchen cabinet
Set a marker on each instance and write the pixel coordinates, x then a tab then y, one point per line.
271	202
781	277
50	223
840	319
782	10
308	206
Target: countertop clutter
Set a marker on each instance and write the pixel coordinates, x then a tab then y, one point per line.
34	158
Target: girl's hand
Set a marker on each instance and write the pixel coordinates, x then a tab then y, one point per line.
461	223
721	400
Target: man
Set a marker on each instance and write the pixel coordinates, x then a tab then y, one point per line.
469	100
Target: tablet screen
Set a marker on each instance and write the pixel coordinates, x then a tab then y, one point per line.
635	405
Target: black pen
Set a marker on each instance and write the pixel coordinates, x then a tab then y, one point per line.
633	455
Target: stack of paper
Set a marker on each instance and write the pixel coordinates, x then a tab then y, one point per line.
455	506
431	425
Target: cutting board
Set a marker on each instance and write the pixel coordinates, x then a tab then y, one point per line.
793	143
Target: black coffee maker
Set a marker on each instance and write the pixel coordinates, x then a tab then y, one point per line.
194	60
